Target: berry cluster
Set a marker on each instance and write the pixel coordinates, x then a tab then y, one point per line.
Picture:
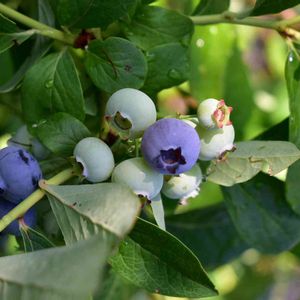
170	147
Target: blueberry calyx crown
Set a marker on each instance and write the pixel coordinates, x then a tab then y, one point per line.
170	159
222	114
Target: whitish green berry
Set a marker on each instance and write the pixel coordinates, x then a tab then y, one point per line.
214	143
130	112
213	114
96	158
182	185
136	174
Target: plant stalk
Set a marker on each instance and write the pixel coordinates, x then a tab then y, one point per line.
35	197
39	27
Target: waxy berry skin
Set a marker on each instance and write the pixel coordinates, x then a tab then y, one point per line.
130	112
215	142
13	228
19	174
171	146
184	184
96	159
137	175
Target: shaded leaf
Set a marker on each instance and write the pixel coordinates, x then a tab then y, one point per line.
34	240
292	75
52	85
39	49
7	25
209	233
114	64
261	214
263	7
84	210
61	132
36	275
242	98
152	26
11	39
250	158
210	7
92	13
155	260
168	65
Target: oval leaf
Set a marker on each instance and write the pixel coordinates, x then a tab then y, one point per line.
50	86
263	7
292	75
83	210
211	7
152	26
168	65
261	214
92	13
114	64
54	274
250	158
209	233
61	132
155	260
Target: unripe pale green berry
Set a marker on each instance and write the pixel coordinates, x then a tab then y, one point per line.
184	184
130	112
213	114
137	175
214	143
95	157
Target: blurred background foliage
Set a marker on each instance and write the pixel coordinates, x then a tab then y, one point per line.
244	66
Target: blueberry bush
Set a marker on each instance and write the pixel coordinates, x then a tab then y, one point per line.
148	147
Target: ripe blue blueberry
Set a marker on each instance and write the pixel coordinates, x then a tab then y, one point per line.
183	185
19	174
96	159
130	112
215	143
29	219
213	114
137	175
171	146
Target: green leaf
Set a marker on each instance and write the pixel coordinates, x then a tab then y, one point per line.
263	7
115	63
250	158
155	260
61	132
83	210
39	49
11	39
210	47
292	75
278	132
92	13
210	7
65	273
50	86
114	287
152	26
242	98
261	214
7	25
34	240
168	65
209	233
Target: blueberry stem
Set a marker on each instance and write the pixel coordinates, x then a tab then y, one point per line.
35	197
283	27
39	27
